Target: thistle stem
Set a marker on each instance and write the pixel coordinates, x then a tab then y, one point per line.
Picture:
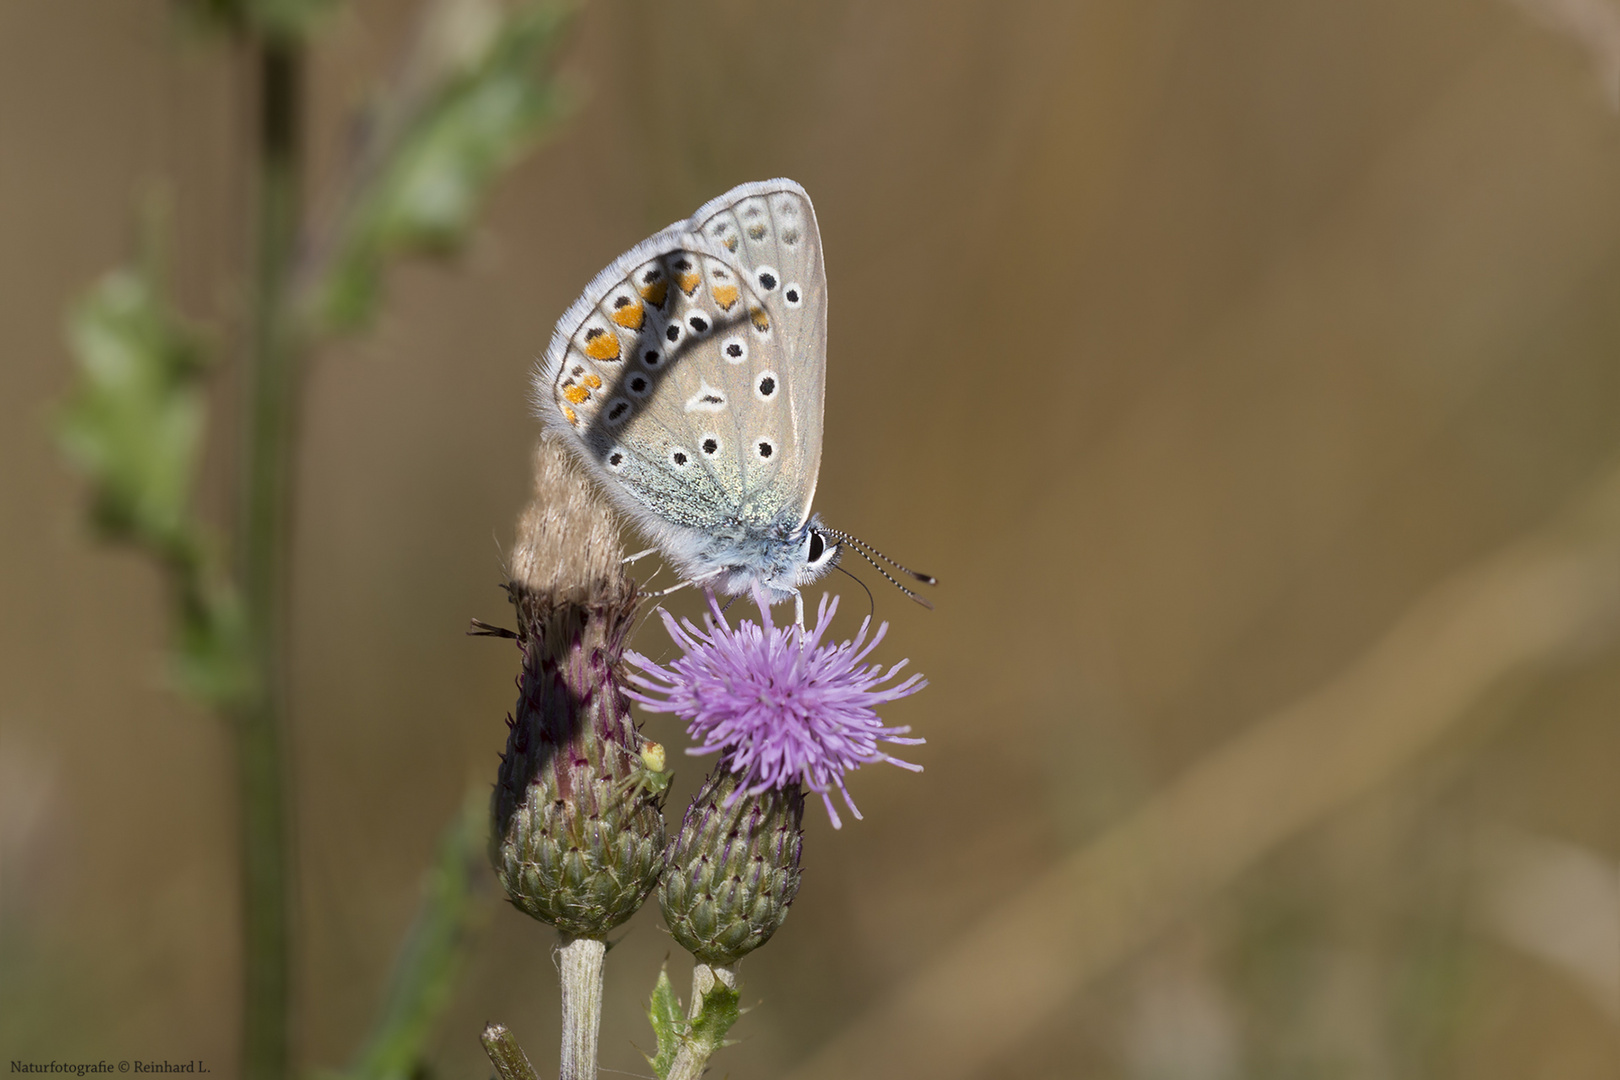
581	974
506	1055
271	387
699	1045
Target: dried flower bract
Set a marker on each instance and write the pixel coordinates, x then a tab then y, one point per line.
578	838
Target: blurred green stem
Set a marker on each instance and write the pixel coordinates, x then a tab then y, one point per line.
506	1055
271	385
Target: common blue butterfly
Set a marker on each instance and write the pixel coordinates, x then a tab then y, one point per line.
689	379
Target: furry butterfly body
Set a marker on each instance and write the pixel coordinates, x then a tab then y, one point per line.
689	378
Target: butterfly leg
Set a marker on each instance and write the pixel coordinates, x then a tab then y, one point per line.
655	594
628	559
798	609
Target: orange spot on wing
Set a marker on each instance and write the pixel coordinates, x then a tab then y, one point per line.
593	382
655	292
761	321
573	417
576	394
601	345
725	296
688	281
630	316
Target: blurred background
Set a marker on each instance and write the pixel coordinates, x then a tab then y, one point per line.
1247	373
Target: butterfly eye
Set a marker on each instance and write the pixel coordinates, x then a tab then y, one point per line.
818	547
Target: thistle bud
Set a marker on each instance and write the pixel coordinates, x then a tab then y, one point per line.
733	868
578	836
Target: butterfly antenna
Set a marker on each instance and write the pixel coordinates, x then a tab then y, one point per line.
861	550
871	604
926	579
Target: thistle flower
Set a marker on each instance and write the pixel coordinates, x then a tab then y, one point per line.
781	706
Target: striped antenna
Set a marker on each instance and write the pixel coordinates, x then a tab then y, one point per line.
866	551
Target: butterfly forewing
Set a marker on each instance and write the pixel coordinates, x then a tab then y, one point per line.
658	384
769	229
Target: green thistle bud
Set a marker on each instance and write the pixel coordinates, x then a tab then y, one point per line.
733	868
578	836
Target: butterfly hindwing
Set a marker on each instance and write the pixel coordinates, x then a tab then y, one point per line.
701	409
769	229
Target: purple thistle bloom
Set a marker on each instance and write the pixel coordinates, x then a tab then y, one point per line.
781	707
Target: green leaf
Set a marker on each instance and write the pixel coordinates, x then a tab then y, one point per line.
288	18
212	660
664	1013
425	193
134	422
282	18
718	1012
433	953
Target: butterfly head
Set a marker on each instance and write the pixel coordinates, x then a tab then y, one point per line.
818	551
818	554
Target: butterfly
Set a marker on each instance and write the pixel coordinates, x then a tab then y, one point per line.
689	379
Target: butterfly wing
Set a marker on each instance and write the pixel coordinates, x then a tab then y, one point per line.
689	378
769	229
617	361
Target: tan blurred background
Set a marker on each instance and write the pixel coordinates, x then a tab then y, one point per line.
1247	372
